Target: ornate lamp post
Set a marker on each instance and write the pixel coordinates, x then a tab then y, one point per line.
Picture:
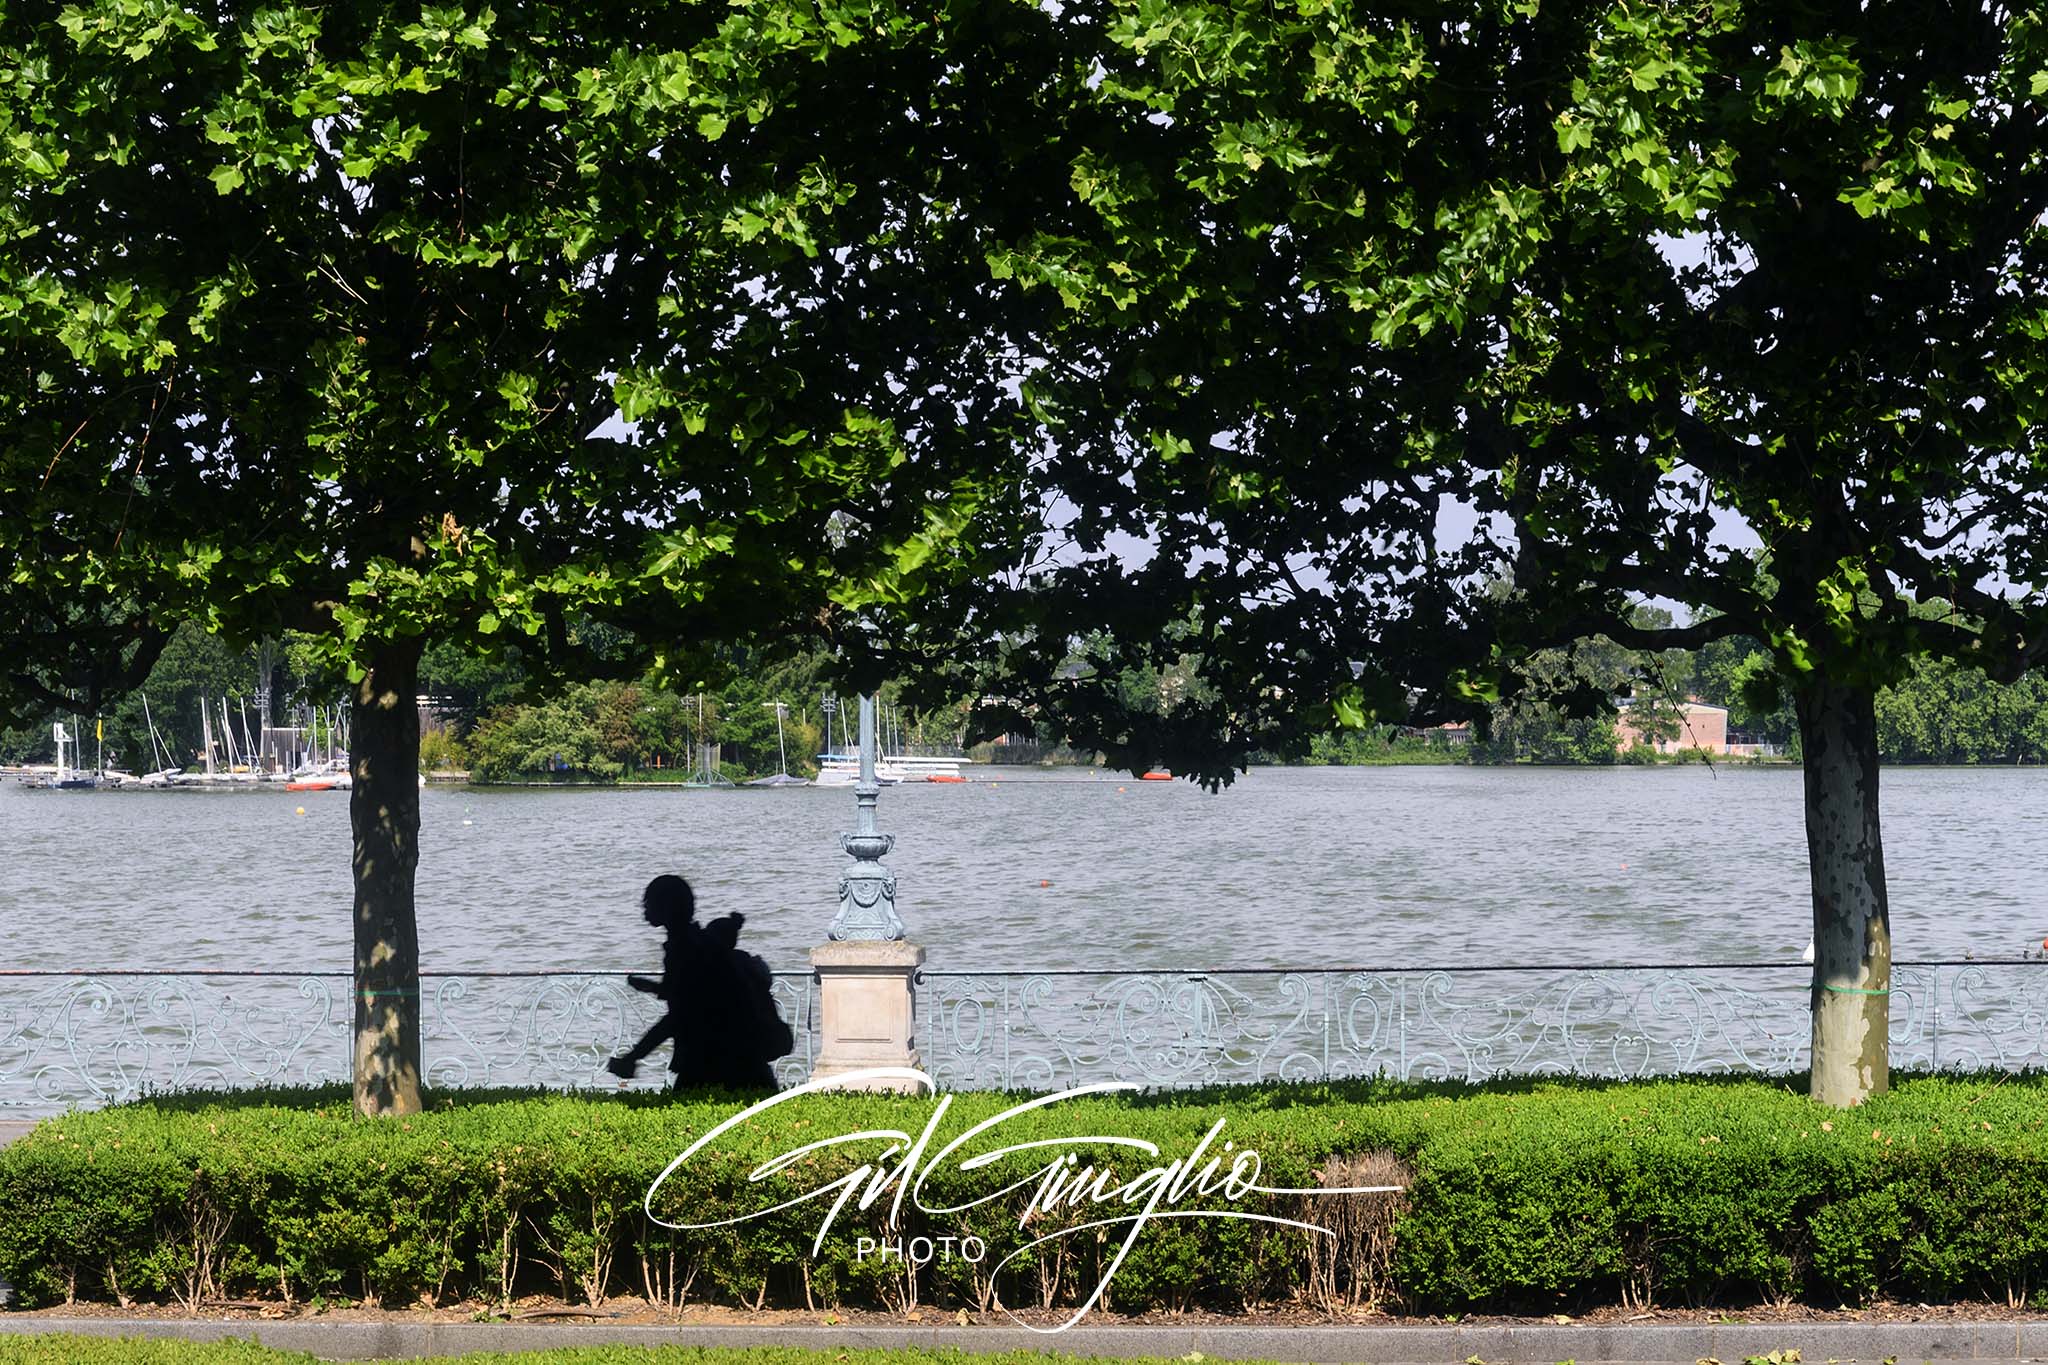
867	890
867	995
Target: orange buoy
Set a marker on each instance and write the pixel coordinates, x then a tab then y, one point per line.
944	777
1043	882
1156	775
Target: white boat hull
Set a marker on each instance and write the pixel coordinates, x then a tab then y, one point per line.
840	770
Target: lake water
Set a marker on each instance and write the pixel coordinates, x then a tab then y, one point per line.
1029	869
1041	868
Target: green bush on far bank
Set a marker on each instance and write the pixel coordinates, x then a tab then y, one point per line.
1531	1196
1364	748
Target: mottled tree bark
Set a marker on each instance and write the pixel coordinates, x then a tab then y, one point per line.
384	811
1852	940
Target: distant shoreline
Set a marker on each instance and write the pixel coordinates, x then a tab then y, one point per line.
448	780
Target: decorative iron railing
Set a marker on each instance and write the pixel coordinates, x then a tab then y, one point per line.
87	1038
1047	1030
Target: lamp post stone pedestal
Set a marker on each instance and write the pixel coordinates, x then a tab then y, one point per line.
867	999
867	974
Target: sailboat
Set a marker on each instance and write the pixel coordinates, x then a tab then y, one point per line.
62	777
159	753
843	769
704	773
780	777
238	774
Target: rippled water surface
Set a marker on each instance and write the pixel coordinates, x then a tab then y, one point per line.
1029	869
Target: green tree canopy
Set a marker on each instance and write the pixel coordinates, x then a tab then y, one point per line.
1603	282
326	319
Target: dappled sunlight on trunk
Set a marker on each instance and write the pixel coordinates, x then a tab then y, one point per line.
1852	946
384	810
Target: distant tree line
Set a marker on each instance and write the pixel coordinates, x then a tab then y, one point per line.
501	724
636	731
1939	712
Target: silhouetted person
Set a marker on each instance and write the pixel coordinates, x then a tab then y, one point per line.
721	1016
669	905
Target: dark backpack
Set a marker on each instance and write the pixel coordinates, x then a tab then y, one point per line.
769	1032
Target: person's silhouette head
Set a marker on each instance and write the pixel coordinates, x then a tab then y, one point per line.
668	902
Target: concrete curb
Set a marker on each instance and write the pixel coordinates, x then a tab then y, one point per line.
1531	1345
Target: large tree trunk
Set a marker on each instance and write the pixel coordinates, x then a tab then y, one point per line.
384	810
1852	939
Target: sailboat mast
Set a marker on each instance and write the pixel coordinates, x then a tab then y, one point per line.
155	763
781	750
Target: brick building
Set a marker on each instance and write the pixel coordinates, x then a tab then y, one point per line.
1700	727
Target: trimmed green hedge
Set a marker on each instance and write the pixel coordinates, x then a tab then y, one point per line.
1524	1196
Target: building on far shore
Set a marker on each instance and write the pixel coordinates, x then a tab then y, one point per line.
1701	726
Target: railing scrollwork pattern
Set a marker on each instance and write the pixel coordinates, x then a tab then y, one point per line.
1051	1029
72	1039
83	1039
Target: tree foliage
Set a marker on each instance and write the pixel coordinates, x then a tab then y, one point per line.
1601	280
1606	279
328	319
